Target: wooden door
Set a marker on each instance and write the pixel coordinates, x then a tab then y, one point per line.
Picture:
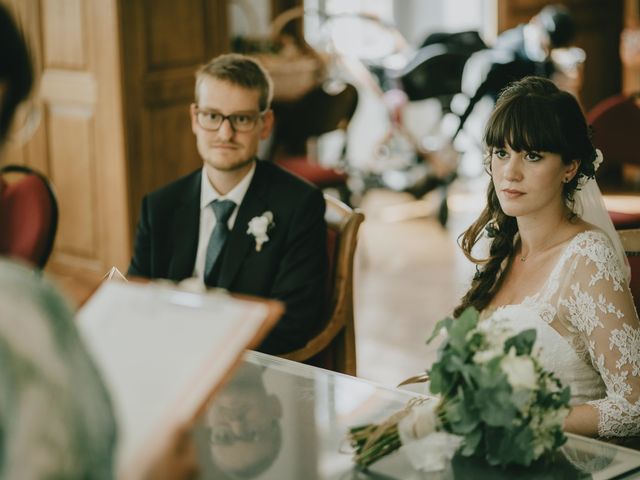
163	43
79	142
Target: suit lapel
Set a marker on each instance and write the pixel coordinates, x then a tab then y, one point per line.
186	225
239	242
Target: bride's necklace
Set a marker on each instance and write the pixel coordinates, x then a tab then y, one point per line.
523	258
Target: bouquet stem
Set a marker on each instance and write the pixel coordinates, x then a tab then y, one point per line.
373	441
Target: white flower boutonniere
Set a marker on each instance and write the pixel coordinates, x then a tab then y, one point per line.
259	226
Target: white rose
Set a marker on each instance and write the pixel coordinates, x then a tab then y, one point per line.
483	356
554	418
496	331
259	226
520	371
495	334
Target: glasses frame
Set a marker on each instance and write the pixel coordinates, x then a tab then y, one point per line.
257	116
252	435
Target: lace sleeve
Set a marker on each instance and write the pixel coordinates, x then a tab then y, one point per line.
597	303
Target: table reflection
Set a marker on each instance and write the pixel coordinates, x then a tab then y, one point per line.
243	425
282	420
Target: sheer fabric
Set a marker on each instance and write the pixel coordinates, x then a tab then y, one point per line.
588	331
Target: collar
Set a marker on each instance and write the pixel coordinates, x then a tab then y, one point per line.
208	194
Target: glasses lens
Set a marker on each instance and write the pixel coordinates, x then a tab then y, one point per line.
243	122
210	120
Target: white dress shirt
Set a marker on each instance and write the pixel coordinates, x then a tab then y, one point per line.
208	220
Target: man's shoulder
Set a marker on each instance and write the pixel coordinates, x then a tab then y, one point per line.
177	187
283	182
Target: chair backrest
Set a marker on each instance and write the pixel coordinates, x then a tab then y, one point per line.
631	243
615	123
334	347
28	215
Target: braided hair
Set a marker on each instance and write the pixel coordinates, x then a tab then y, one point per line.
531	114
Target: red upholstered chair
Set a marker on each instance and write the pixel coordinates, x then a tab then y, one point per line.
28	215
334	347
297	122
616	123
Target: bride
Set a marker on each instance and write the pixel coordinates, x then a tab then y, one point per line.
555	262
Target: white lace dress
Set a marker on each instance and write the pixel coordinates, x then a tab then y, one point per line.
587	331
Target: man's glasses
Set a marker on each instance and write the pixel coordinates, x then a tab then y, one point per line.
240	122
223	434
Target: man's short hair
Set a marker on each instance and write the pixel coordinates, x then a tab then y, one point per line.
239	70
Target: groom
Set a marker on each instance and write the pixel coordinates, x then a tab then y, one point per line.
239	223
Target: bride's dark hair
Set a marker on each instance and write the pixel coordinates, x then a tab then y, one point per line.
530	115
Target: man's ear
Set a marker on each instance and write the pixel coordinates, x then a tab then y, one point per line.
193	110
268	120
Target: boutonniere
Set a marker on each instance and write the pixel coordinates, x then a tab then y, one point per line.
259	226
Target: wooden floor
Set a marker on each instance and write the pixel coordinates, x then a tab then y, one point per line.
410	273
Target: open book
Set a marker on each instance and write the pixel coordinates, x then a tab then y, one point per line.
162	353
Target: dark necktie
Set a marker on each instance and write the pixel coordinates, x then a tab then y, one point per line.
222	210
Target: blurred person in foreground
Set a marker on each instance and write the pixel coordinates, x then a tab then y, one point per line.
56	417
55	414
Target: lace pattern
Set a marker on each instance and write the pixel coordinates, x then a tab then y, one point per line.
587	301
593	299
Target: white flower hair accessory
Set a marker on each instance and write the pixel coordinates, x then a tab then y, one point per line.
259	226
598	161
585	177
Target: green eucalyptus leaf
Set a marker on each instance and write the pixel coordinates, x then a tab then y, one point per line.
444	323
436	380
521	450
495	407
462	414
459	330
565	395
523	342
471	442
521	397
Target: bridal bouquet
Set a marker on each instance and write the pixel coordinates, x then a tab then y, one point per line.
494	401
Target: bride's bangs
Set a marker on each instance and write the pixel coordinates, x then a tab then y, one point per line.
525	123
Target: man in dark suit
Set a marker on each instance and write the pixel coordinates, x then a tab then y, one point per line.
239	223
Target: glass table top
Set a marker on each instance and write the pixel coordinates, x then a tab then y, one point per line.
278	419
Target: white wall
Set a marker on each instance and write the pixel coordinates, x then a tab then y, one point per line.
417	18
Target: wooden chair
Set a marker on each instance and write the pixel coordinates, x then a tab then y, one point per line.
631	243
334	346
28	215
